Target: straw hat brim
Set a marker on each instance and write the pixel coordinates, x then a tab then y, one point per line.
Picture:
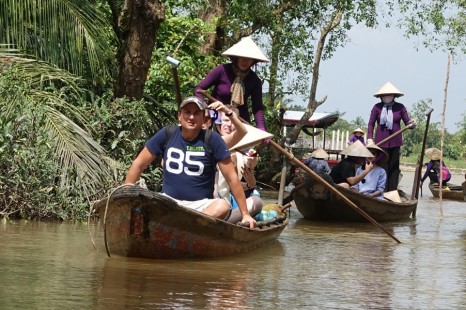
357	149
388	89
252	138
433	153
246	48
319	154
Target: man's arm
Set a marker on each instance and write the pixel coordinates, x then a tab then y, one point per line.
138	166
358	178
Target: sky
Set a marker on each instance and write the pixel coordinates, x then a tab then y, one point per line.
376	56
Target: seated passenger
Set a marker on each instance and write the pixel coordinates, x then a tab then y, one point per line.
317	162
373	184
245	163
344	173
433	168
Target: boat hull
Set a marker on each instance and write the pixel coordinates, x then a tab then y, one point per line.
314	201
455	192
141	223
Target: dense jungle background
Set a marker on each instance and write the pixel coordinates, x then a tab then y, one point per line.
84	83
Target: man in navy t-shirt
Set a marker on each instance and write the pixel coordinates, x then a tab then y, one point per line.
189	164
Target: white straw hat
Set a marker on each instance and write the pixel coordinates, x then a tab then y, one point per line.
433	153
319	153
253	137
388	89
246	48
358	130
357	149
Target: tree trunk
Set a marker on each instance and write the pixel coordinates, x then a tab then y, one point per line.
139	23
214	41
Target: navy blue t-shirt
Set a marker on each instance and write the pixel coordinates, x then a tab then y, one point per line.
188	169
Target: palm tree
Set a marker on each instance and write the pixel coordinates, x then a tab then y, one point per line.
24	81
72	35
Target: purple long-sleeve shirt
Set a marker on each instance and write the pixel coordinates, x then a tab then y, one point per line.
399	113
222	77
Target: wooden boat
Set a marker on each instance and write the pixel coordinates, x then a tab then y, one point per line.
315	201
141	223
454	192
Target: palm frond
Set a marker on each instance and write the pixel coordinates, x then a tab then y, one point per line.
71	34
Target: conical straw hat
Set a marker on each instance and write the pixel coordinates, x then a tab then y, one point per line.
433	153
253	137
380	159
357	149
358	130
388	89
319	153
246	48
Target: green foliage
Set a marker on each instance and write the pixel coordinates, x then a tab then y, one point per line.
180	38
441	23
72	35
40	128
462	130
122	126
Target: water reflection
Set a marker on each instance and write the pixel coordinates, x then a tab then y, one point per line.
313	265
226	283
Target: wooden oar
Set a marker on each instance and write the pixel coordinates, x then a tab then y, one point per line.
394	134
417	173
314	175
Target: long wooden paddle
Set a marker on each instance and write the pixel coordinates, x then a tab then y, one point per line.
315	176
394	134
417	173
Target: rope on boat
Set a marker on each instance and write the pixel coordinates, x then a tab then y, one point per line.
89	223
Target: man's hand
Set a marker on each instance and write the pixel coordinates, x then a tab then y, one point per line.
250	220
370	141
412	124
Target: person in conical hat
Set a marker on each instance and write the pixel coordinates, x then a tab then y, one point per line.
373	184
343	173
245	162
433	168
317	162
236	83
385	120
358	134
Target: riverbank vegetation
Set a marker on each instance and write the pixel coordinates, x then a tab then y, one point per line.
84	83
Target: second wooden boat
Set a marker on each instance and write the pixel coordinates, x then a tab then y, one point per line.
314	201
452	191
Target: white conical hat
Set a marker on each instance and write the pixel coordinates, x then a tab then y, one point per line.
358	130
246	48
357	149
320	154
433	153
253	137
388	89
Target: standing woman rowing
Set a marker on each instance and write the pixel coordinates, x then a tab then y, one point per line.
234	83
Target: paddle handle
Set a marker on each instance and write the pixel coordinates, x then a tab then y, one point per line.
395	134
206	94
